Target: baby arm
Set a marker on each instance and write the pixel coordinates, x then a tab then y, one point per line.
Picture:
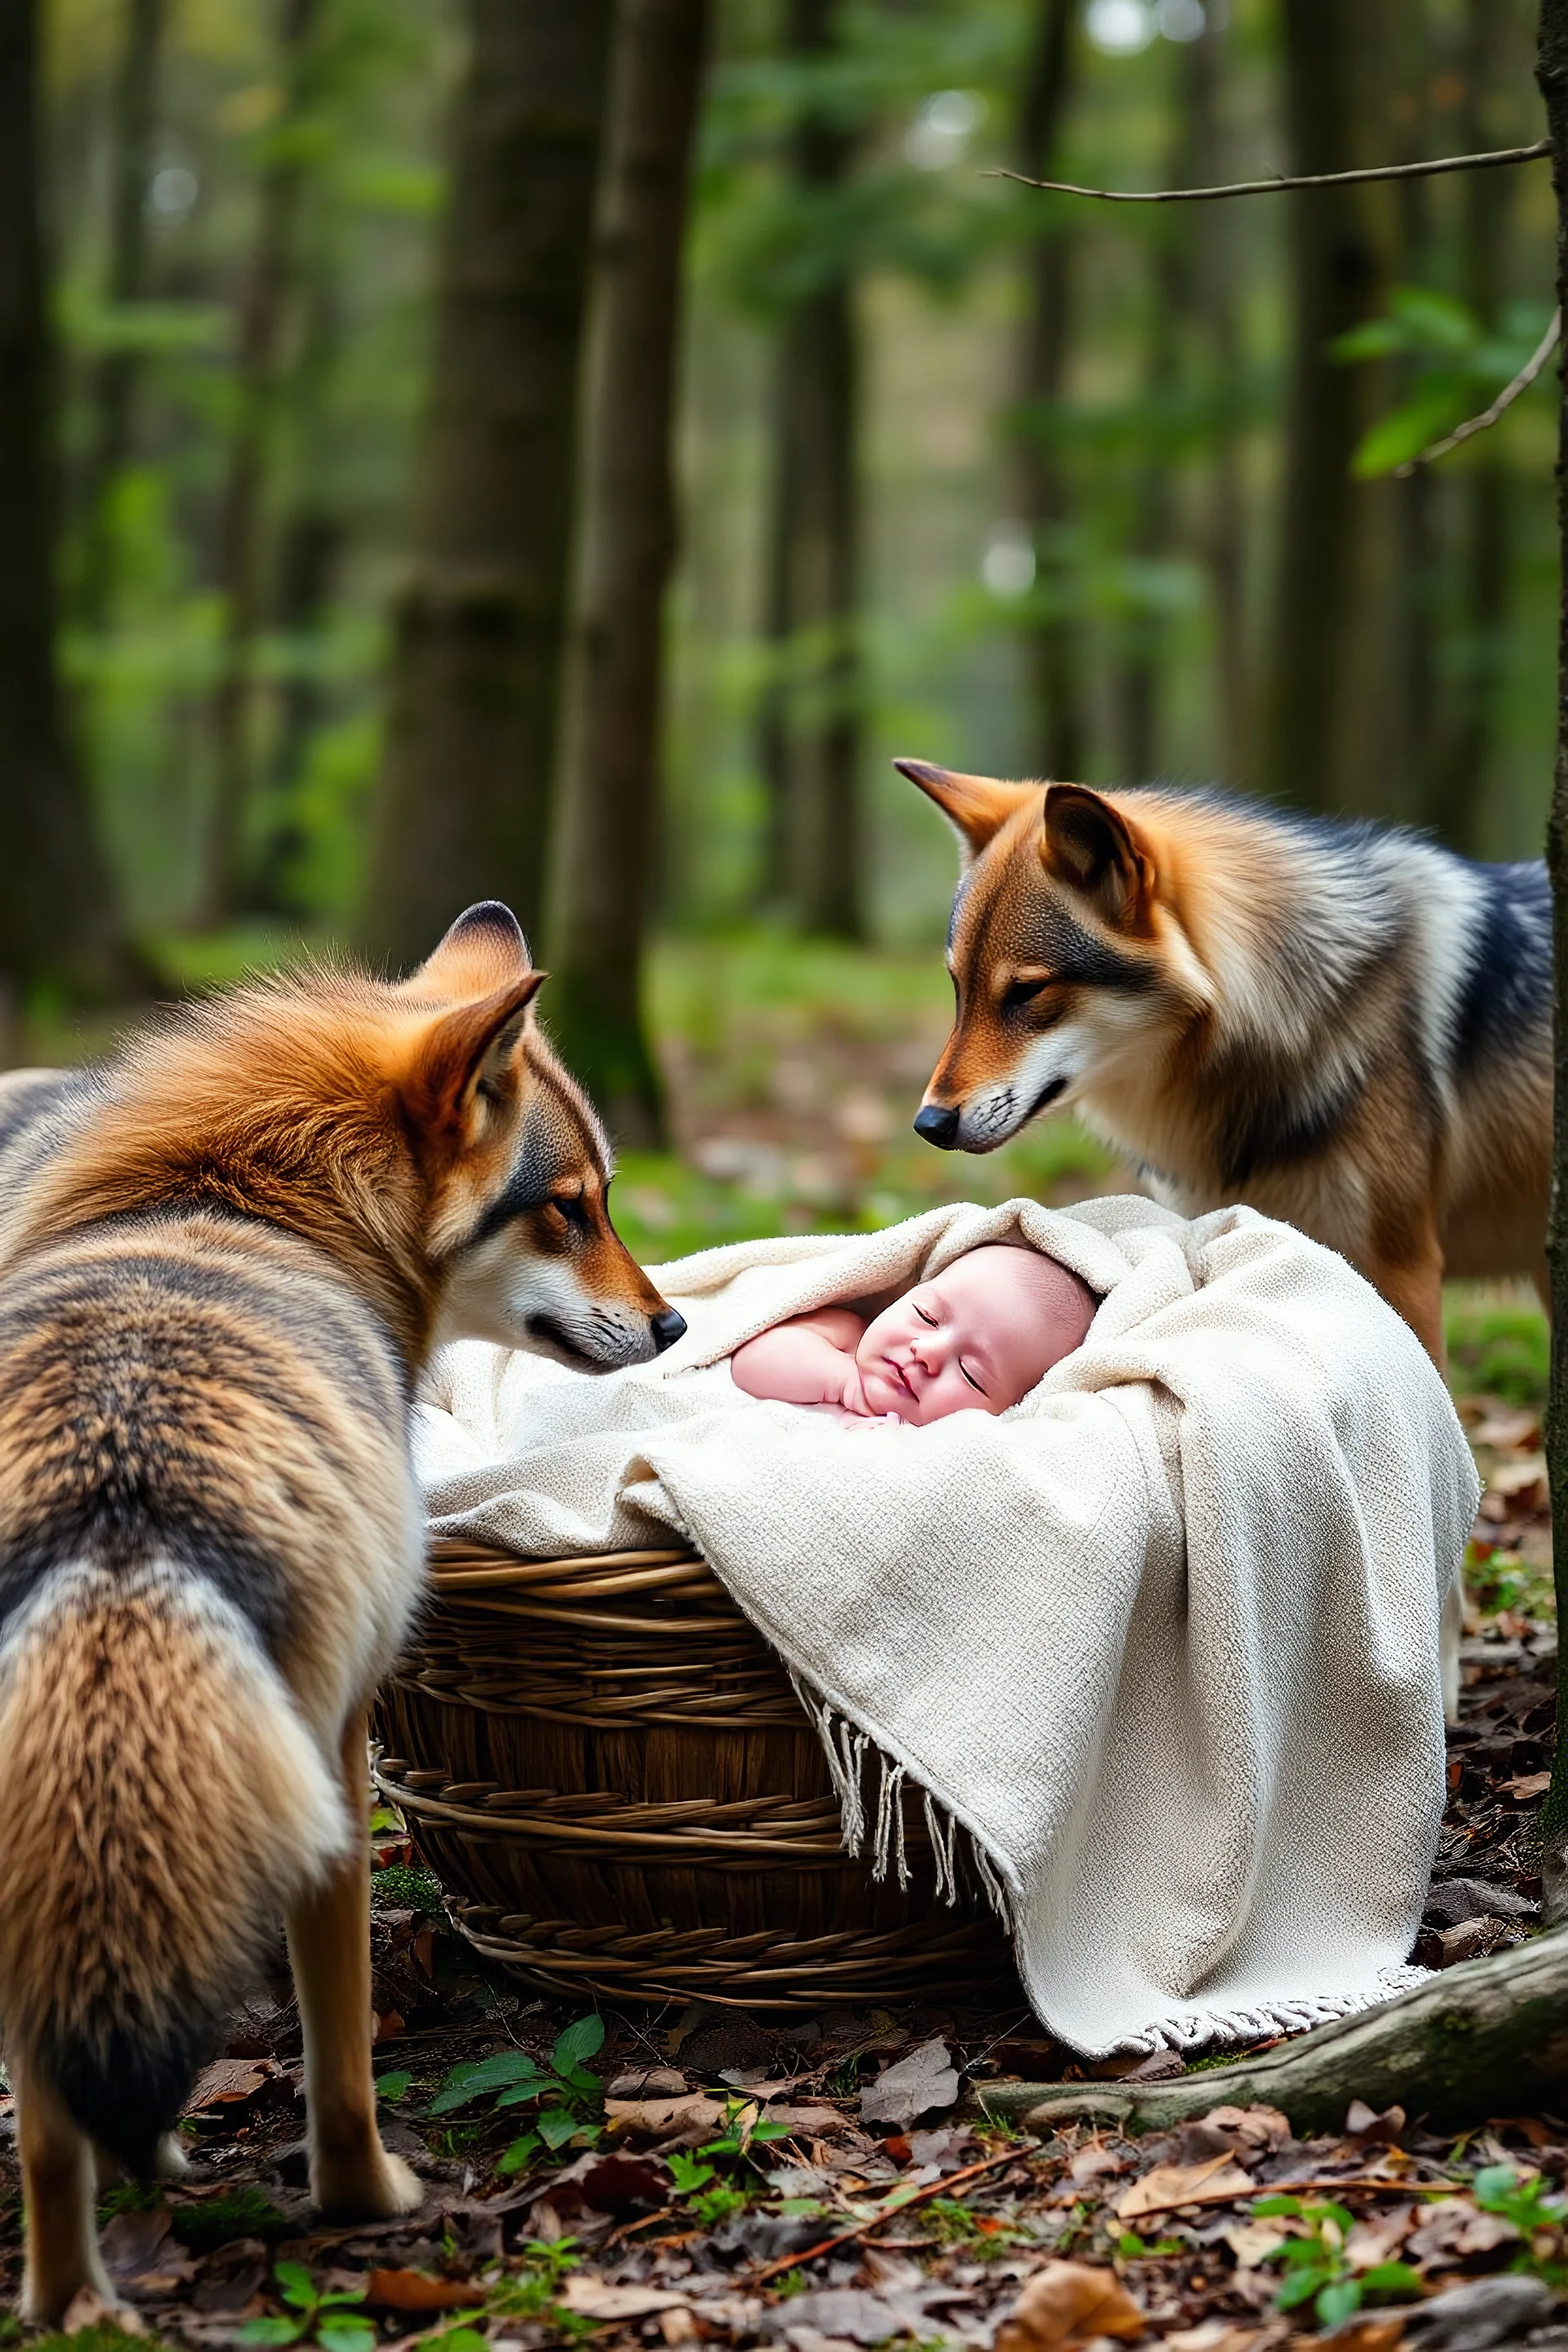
809	1360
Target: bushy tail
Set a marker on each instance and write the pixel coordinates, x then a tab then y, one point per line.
161	1800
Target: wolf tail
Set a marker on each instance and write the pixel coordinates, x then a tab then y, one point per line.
162	1799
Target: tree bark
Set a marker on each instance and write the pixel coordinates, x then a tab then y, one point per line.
1488	2038
1337	277
462	808
262	311
58	928
1053	647
1552	73
773	715
606	812
1224	533
112	395
1484	491
811	728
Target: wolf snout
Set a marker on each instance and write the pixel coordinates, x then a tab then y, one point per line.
937	1123
667	1325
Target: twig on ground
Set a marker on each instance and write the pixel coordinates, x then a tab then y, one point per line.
893	2213
1278	187
1499	408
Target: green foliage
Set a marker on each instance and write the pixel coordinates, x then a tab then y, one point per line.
566	2093
216	2220
1453	364
1497	1347
1536	2213
394	2086
529	2293
406	1887
1316	2271
331	2320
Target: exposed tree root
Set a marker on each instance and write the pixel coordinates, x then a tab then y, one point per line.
1490	2038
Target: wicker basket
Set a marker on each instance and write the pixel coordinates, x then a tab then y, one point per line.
608	1770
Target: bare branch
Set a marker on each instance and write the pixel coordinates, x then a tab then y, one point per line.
1276	187
1499	408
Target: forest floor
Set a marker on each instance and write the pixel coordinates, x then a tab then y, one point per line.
666	2177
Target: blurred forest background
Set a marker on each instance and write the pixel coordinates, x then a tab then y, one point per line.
466	448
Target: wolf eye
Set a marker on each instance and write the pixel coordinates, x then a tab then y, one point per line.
1019	992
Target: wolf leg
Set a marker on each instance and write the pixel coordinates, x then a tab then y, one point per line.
328	1945
62	2257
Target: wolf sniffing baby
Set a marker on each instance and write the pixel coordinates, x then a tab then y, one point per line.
976	1337
226	1256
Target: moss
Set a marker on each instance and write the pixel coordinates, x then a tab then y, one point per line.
216	2221
406	1887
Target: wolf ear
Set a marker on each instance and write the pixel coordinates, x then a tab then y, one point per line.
1091	845
483	951
465	1055
977	807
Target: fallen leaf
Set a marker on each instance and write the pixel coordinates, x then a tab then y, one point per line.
413	2291
1364	2123
1159	2066
1373	2331
912	2088
129	2242
694	2117
1378	2238
1512	1478
647	2082
1251	2130
619	2183
1064	2304
1529	1784
229	2081
1252	2242
1506	1431
1468	1941
1169	2185
811	2123
1093	2163
592	2298
1213	2336
1454	2231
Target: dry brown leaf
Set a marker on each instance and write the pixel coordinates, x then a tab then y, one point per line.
694	2117
1454	2231
1252	2242
1515	1478
1169	2185
1506	1430
229	2081
1252	2130
1065	2303
1378	2238
1093	2163
1212	2335
1529	1784
413	2291
1374	2331
594	2299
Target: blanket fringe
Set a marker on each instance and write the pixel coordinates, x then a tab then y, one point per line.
955	1851
1199	2028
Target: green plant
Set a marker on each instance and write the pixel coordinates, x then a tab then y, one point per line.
405	1886
131	2196
330	2320
394	2085
1316	2271
953	2223
567	2094
216	2221
530	2292
1537	2215
713	2199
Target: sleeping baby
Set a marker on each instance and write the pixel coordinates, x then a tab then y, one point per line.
976	1338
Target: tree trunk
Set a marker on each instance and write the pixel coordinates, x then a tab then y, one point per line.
607	803
262	311
813	746
112	398
1054	647
1488	2038
1337	281
1552	73
1484	491
773	715
462	808
1224	533
58	929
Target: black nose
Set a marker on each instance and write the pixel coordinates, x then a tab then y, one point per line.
939	1125
667	1327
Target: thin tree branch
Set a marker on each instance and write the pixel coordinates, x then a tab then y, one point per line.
1499	408
1276	187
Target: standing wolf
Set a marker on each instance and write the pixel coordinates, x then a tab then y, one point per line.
1340	1024
224	1258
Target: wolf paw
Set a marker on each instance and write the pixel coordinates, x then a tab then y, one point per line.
170	2163
374	2189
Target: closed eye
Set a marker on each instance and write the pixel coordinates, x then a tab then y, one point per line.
969	1376
926	1318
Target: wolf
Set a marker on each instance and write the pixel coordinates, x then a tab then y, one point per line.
225	1257
1340	1022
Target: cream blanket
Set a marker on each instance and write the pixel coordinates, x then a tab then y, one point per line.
1163	1640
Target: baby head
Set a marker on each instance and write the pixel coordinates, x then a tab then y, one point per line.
978	1336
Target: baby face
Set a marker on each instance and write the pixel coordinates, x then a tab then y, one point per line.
974	1338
